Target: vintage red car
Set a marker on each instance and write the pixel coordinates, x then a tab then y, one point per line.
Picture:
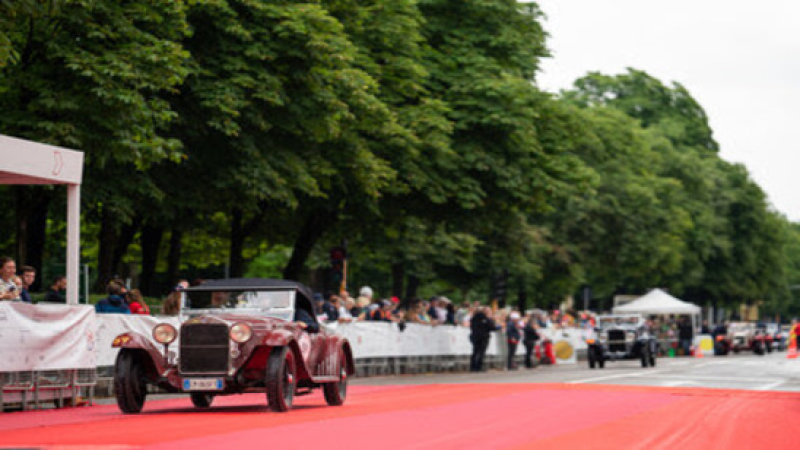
236	336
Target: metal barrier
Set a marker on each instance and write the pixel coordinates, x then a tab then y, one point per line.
22	388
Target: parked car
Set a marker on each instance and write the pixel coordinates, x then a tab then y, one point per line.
236	336
619	337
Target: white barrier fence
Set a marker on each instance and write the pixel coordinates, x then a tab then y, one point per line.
54	337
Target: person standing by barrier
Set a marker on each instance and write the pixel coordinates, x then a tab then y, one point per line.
513	337
530	336
28	277
686	335
114	303
8	270
54	295
137	304
482	327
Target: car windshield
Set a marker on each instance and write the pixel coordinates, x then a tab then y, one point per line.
272	303
619	321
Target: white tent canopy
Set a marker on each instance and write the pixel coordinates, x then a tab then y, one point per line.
658	302
26	162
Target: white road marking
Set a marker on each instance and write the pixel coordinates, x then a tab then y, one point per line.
719	378
609	377
677	383
770	386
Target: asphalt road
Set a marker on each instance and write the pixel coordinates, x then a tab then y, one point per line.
772	372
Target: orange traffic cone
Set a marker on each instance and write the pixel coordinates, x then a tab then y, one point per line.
792	353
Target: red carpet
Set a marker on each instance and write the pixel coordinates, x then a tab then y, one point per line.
433	416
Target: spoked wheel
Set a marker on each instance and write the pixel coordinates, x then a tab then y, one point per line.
336	393
281	379
201	400
130	386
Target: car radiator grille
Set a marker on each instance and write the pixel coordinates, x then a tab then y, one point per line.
616	340
204	349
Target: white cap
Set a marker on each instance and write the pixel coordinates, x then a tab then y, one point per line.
514	315
365	291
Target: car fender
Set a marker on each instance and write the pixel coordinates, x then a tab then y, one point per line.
278	338
133	340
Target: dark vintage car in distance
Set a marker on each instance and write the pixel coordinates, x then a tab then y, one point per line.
236	336
617	337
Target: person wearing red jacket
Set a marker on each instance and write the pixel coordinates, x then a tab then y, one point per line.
136	303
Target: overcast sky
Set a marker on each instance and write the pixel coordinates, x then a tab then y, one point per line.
740	60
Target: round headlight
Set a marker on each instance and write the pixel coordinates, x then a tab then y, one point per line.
164	333
241	333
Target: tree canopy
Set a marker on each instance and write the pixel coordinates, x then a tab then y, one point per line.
232	137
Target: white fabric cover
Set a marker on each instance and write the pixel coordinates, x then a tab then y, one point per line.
658	302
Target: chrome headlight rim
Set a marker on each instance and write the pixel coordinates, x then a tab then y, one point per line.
165	333
240	332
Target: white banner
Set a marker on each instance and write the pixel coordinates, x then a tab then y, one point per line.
47	337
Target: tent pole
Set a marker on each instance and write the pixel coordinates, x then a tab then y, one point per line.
73	241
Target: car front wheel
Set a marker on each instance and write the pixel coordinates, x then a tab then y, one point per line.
201	400
130	386
336	393
281	379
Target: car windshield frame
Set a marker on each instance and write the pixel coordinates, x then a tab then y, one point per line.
277	303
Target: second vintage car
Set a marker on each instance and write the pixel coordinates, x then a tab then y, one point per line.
236	336
621	337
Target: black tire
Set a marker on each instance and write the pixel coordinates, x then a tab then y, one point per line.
281	379
201	400
336	393
130	385
645	356
758	348
590	355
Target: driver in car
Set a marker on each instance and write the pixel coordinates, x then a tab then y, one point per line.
304	319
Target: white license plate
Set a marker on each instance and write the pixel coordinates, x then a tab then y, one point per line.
203	384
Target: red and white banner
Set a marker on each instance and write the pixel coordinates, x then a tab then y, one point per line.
47	337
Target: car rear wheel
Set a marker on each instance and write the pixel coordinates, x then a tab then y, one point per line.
336	393
281	379
201	400
130	386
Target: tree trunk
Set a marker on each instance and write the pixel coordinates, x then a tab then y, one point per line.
37	234
236	261
239	232
522	300
412	286
22	206
33	203
105	256
398	275
174	256
317	223
124	240
151	242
